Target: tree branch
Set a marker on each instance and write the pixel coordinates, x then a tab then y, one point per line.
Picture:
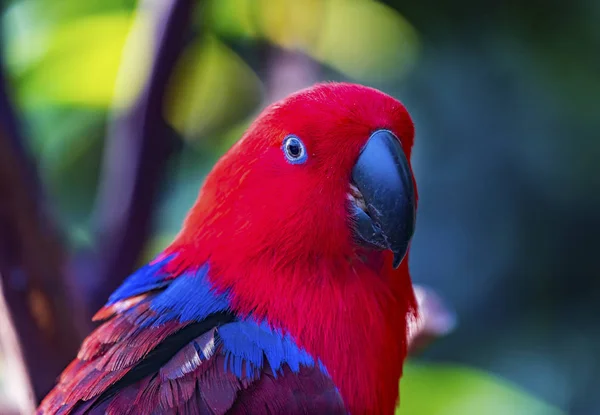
138	147
32	262
19	390
288	71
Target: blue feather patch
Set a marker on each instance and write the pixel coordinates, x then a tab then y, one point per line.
251	342
246	344
148	278
189	297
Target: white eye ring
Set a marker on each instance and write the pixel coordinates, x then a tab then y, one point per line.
294	150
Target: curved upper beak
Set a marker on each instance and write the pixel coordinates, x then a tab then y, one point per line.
383	196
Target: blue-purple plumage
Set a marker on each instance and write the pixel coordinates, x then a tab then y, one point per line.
173	346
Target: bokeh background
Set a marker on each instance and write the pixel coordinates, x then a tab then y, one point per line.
122	107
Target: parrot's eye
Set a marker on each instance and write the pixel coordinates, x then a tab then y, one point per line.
294	150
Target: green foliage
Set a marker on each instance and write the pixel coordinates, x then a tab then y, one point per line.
362	39
78	65
444	389
211	80
69	144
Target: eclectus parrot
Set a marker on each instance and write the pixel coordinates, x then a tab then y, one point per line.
287	290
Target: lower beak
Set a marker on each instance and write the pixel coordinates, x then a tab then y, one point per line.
383	197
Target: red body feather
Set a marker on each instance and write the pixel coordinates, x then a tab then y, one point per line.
280	239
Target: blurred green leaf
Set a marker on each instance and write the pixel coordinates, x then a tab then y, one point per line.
367	40
77	63
363	39
70	144
234	17
28	24
445	389
211	87
65	9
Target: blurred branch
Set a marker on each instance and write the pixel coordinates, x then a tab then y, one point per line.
32	262
288	71
19	388
138	147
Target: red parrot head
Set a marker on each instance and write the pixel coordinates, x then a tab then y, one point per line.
324	172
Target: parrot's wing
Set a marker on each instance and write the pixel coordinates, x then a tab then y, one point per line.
172	346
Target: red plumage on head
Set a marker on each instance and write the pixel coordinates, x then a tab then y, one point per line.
278	236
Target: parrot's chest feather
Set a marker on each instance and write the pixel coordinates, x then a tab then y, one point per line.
349	315
356	328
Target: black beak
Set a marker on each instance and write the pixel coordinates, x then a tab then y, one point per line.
383	199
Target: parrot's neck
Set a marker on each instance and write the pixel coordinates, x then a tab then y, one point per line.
350	314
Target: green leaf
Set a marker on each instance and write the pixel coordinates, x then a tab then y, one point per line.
211	87
367	40
446	389
75	63
69	144
362	39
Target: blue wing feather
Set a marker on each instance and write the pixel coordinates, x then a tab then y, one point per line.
190	297
150	277
250	341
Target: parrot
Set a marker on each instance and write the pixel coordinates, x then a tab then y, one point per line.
287	289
